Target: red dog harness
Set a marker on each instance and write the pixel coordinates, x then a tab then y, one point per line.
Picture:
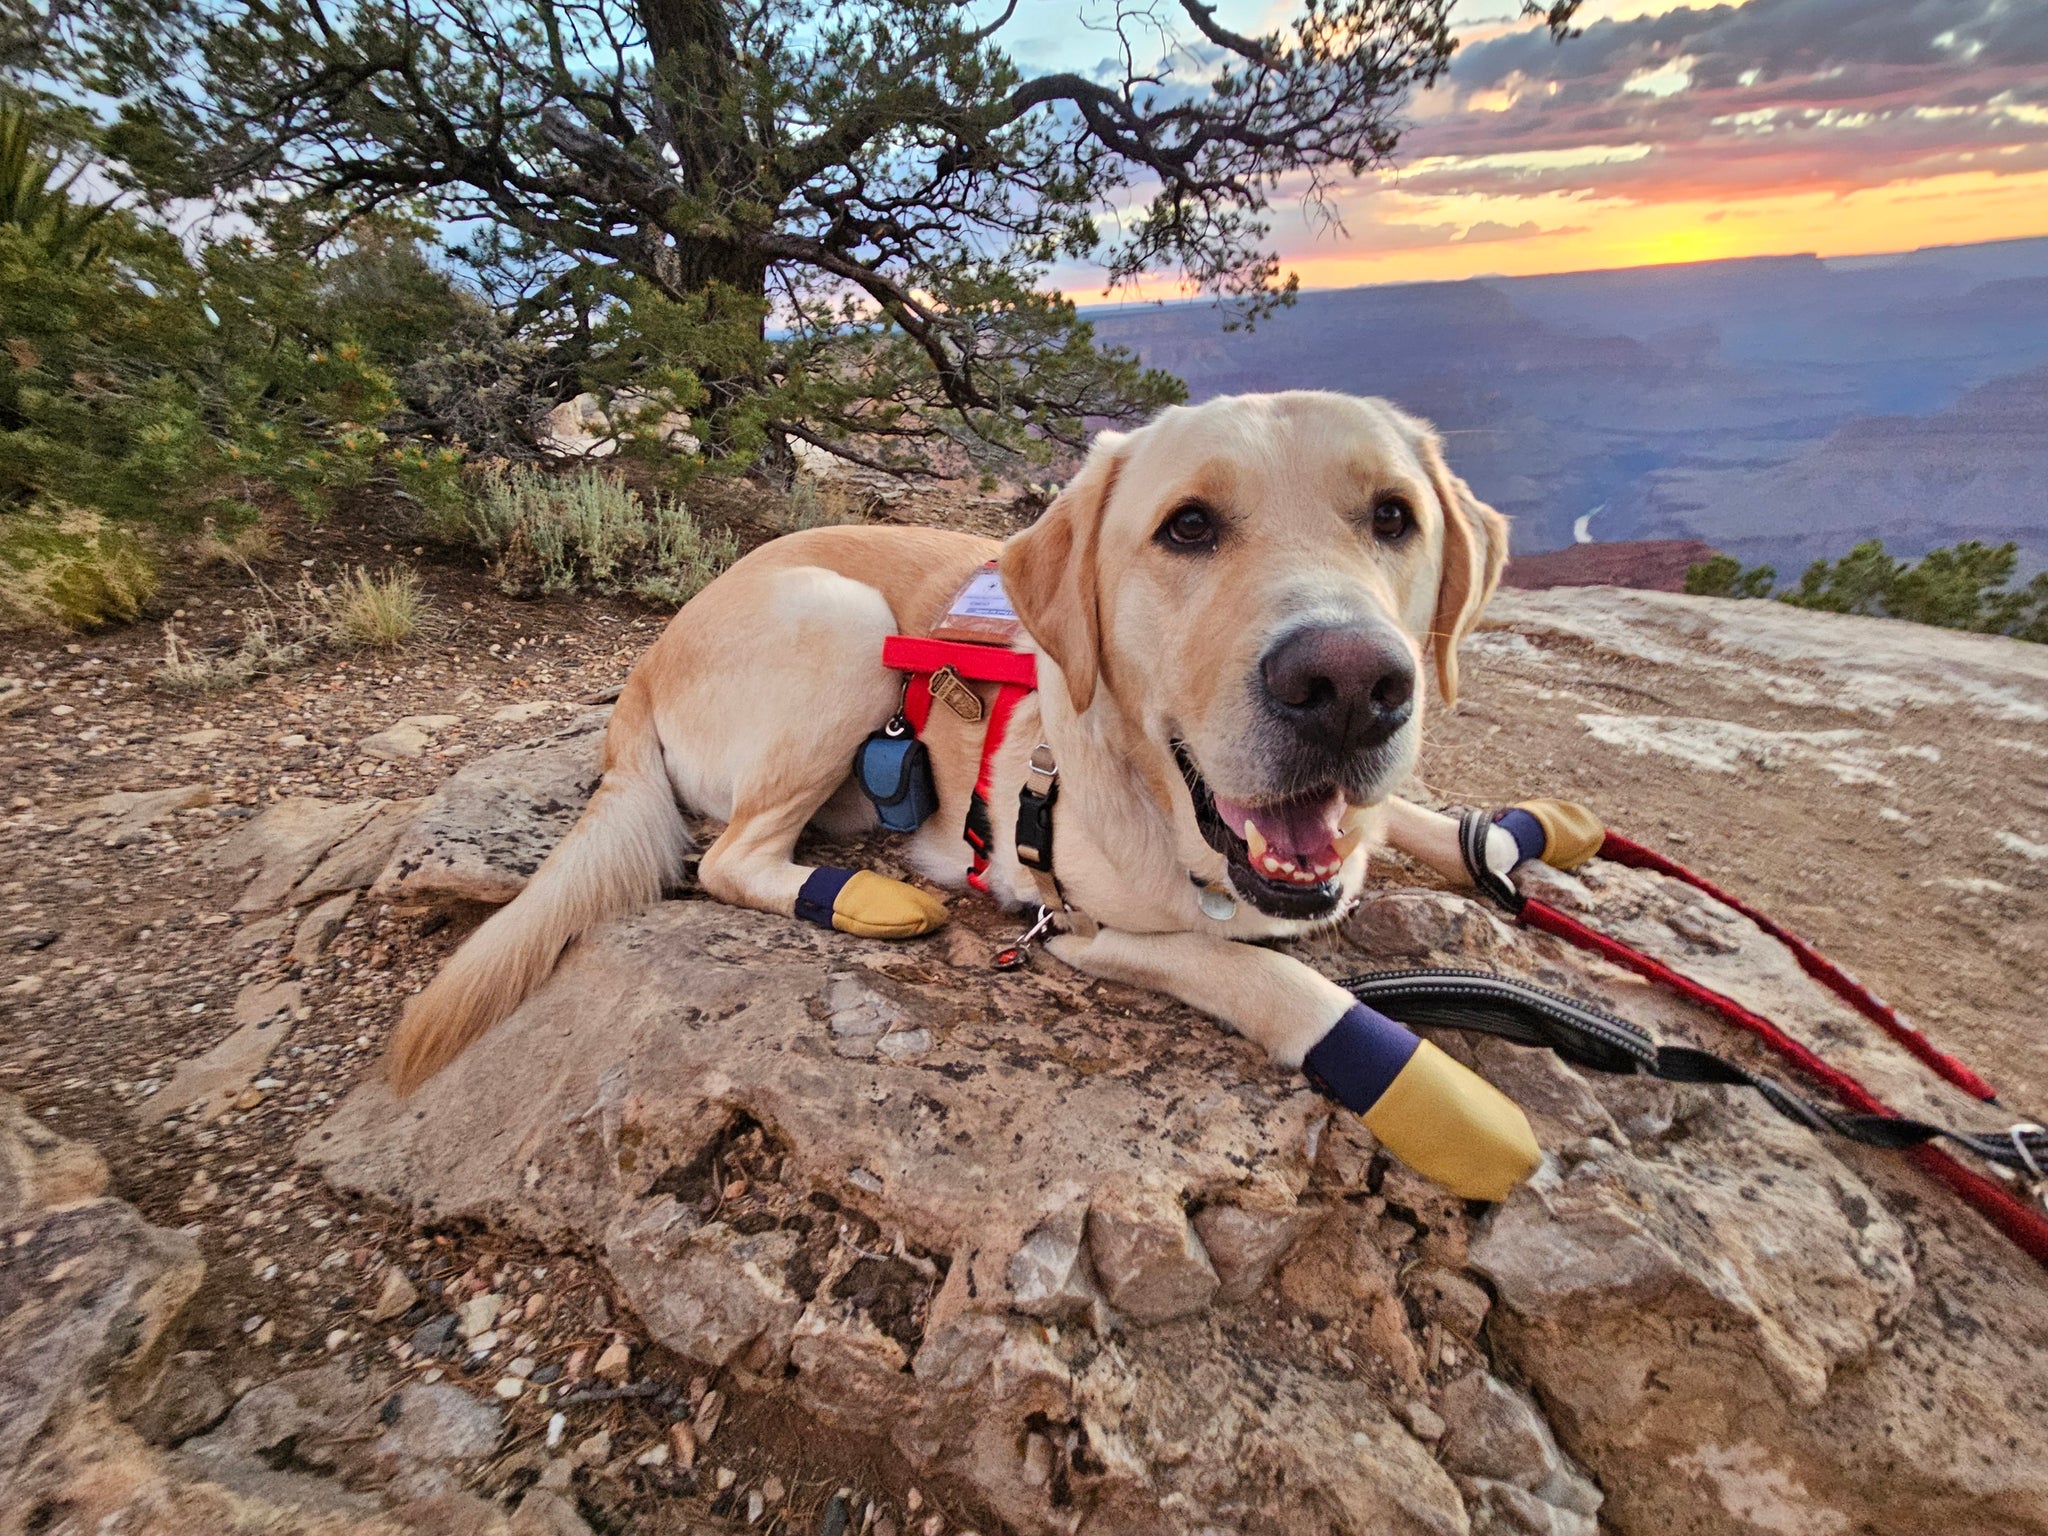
936	662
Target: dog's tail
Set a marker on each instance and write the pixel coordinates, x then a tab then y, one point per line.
629	842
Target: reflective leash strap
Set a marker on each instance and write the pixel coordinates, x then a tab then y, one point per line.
1591	1038
2020	1221
1624	850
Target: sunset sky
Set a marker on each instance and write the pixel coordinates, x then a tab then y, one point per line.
1666	132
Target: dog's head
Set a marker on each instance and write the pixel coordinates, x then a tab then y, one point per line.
1254	583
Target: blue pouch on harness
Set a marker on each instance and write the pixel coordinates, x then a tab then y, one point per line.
895	772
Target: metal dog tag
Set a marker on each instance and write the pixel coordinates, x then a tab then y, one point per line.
950	691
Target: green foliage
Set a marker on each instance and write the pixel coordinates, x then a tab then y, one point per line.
799	220
1723	576
555	534
150	386
1859	582
1961	587
67	569
35	202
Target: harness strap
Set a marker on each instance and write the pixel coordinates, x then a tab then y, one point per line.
980	831
1014	672
982	663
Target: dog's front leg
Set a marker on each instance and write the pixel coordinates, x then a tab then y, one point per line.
1556	831
1437	1116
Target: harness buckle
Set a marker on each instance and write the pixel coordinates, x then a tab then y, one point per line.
1018	955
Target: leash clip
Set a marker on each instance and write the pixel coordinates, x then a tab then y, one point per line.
2037	1177
1018	955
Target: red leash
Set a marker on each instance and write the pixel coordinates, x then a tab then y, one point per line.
2018	1220
1623	850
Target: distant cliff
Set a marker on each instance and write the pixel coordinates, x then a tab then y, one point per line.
1654	565
1781	408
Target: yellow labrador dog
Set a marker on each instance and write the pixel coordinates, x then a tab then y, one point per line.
1230	607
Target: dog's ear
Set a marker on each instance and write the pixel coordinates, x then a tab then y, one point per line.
1049	571
1475	551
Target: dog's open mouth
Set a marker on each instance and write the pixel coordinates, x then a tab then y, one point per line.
1284	856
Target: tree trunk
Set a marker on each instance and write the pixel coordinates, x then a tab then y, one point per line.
695	65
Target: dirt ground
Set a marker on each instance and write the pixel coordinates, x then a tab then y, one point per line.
116	962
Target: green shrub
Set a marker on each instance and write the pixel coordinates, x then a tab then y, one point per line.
71	570
1723	576
558	533
685	555
1963	586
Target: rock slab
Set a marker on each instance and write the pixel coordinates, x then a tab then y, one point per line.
486	831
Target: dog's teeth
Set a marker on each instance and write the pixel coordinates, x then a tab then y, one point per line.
1269	864
1348	843
1254	839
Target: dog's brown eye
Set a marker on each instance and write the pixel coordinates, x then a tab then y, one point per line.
1392	519
1189	527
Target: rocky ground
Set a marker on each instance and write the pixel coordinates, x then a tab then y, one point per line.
450	1322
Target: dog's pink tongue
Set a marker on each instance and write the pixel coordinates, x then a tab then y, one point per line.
1303	831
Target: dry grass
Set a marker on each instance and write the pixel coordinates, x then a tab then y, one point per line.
70	569
244	546
816	503
382	611
266	647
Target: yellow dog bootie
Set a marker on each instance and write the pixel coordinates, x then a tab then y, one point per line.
873	906
1439	1117
1560	833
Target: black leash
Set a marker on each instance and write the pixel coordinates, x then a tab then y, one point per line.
1592	1038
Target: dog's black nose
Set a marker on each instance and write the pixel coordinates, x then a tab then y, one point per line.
1346	688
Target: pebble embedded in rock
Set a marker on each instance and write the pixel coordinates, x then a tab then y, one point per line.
430	1338
1147	1257
616	1363
478	1314
394	1298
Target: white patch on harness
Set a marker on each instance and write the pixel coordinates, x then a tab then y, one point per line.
983	598
980	611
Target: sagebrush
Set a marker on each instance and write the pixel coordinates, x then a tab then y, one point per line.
559	533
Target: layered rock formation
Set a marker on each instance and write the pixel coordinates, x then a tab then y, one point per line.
1089	1265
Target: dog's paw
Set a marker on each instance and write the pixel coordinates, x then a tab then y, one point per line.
1439	1117
1565	834
858	901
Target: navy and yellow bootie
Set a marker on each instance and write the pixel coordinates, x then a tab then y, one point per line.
858	901
1561	833
1439	1117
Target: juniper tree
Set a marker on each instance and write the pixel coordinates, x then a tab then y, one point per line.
831	219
